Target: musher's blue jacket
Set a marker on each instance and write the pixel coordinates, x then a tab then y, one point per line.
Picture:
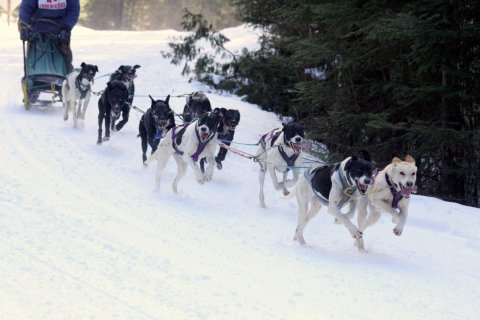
50	15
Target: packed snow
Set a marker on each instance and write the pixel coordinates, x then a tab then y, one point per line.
84	234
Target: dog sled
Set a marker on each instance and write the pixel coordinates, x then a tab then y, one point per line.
44	71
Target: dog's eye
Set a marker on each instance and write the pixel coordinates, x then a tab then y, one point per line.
402	173
413	173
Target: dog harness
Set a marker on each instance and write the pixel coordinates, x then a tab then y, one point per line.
273	136
177	139
309	176
397	195
78	85
348	188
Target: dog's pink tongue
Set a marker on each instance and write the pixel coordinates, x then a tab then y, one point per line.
363	187
297	147
408	191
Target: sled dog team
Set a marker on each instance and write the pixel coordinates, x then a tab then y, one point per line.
354	183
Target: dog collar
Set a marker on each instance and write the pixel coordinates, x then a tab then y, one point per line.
397	194
83	92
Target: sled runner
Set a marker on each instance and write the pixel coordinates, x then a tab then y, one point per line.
44	71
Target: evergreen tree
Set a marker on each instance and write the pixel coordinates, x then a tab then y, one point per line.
394	78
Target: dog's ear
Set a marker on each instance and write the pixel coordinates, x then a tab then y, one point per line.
365	155
354	157
121	68
137	66
167	99
349	163
396	160
96	68
410	159
153	100
83	65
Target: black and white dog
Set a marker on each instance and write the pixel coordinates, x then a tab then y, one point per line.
125	74
187	144
197	104
229	120
334	186
154	124
110	105
280	150
77	90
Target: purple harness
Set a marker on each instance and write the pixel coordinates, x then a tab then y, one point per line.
269	136
201	145
397	194
273	137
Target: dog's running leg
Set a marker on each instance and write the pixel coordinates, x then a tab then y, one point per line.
66	105
85	104
162	160
398	217
108	119
361	222
334	196
283	183
121	123
208	173
302	217
277	185
181	170
202	164
100	123
261	180
308	207
75	113
196	170
401	218
144	140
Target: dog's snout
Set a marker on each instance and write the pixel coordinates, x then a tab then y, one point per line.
409	184
203	129
298	139
368	180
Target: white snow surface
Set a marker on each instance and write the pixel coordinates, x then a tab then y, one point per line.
84	235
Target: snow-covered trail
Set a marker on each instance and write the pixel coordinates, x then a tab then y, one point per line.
84	235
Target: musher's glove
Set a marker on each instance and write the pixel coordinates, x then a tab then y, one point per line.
64	34
25	32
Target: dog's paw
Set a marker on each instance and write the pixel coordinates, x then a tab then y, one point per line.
207	178
106	138
398	230
65	117
99	141
360	245
219	166
356	234
286	193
